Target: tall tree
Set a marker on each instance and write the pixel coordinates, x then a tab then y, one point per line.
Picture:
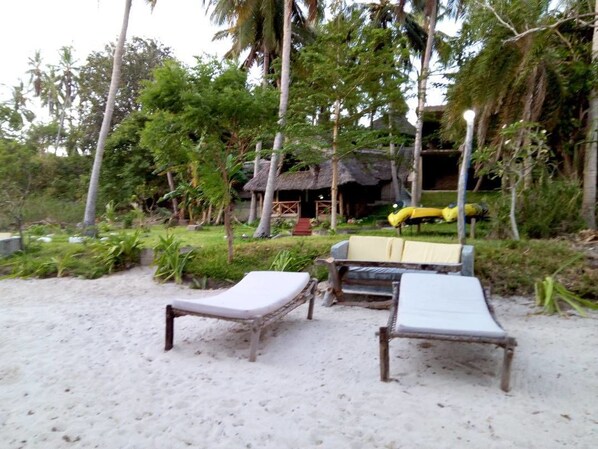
217	116
349	72
430	14
591	159
256	26
92	193
263	229
530	63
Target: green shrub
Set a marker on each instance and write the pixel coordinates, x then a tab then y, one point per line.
551	208
118	252
548	209
171	261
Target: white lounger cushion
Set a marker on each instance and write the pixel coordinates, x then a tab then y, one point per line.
440	304
257	294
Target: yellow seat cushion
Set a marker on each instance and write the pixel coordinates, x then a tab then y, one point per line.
369	248
5	235
424	252
396	250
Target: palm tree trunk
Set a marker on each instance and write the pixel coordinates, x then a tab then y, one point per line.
263	229
334	183
421	103
588	207
258	146
92	193
393	164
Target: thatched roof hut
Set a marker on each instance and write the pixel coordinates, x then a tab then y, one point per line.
369	168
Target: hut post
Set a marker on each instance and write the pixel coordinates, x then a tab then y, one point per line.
341	203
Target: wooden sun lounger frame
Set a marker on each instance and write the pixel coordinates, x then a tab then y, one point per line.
257	323
387	333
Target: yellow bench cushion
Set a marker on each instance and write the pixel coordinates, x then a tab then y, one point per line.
424	252
396	250
369	248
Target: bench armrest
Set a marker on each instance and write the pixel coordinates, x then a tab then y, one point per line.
467	260
340	250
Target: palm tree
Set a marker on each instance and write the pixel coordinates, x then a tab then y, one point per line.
257	26
92	192
263	229
67	80
517	75
382	14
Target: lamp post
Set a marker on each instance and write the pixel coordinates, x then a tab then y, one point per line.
469	117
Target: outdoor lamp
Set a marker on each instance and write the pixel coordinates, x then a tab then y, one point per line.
469	116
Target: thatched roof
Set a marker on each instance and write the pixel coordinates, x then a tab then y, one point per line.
401	125
369	169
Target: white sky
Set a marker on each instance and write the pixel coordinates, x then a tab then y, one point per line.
87	25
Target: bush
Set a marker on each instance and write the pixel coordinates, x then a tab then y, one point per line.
118	252
171	261
548	209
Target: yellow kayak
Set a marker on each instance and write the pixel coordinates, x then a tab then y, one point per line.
413	213
397	218
471	210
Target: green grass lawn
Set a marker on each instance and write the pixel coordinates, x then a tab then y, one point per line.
508	267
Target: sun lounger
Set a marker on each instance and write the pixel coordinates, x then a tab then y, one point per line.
441	307
259	299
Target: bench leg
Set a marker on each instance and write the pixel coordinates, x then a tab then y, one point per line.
256	330
169	328
384	359
310	310
506	368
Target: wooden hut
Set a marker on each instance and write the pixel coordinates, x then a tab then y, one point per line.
364	181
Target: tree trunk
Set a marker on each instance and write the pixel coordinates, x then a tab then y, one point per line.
512	217
334	186
175	203
588	207
263	229
229	233
396	189
258	146
421	103
92	193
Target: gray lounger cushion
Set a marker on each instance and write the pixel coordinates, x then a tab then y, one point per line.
448	305
257	294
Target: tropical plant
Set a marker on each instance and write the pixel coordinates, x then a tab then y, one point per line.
119	251
171	260
522	148
287	260
549	293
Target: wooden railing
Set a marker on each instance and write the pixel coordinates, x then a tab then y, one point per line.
286	209
324	207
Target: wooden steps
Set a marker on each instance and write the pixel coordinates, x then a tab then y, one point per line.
302	228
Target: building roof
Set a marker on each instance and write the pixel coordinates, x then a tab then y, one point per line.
369	168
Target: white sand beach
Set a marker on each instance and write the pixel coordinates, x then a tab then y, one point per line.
82	365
